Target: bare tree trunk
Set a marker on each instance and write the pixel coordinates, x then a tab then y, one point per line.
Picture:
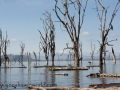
22	45
76	51
46	59
69	22
52	60
5	57
35	57
92	51
105	27
0	45
80	46
48	42
101	55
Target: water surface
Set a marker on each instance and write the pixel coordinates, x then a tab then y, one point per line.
21	77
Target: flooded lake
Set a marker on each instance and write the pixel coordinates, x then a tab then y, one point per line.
20	78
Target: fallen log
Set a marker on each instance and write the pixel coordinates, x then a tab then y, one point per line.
13	67
104	85
103	75
65	88
64	74
67	68
47	66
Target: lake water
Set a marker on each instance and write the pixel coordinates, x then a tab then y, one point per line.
20	77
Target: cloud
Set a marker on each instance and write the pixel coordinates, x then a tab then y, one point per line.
13	40
85	34
114	35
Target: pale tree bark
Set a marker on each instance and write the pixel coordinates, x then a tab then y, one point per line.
35	57
44	45
92	51
105	27
22	46
81	54
39	52
69	22
48	42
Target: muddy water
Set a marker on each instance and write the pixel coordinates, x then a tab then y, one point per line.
20	78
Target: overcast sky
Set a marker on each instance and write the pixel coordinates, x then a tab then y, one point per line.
21	19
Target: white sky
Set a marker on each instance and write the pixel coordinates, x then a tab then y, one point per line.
21	19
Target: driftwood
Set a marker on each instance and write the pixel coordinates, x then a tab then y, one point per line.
47	66
93	87
104	85
63	74
53	88
13	67
103	75
67	68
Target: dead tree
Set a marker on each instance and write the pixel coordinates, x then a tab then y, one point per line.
104	53
0	45
113	55
119	57
5	44
39	52
48	42
105	27
52	38
45	45
68	22
44	40
35	57
92	52
29	61
22	46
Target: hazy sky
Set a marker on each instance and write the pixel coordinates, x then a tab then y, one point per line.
21	19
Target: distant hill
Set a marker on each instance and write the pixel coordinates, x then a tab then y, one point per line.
17	57
86	56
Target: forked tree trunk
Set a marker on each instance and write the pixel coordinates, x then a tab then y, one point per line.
105	26
69	21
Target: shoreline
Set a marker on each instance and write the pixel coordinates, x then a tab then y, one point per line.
67	88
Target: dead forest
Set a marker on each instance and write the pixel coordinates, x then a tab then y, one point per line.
47	43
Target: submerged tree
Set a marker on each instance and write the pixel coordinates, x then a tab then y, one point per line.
105	27
52	38
69	22
48	42
22	46
92	51
5	43
0	45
